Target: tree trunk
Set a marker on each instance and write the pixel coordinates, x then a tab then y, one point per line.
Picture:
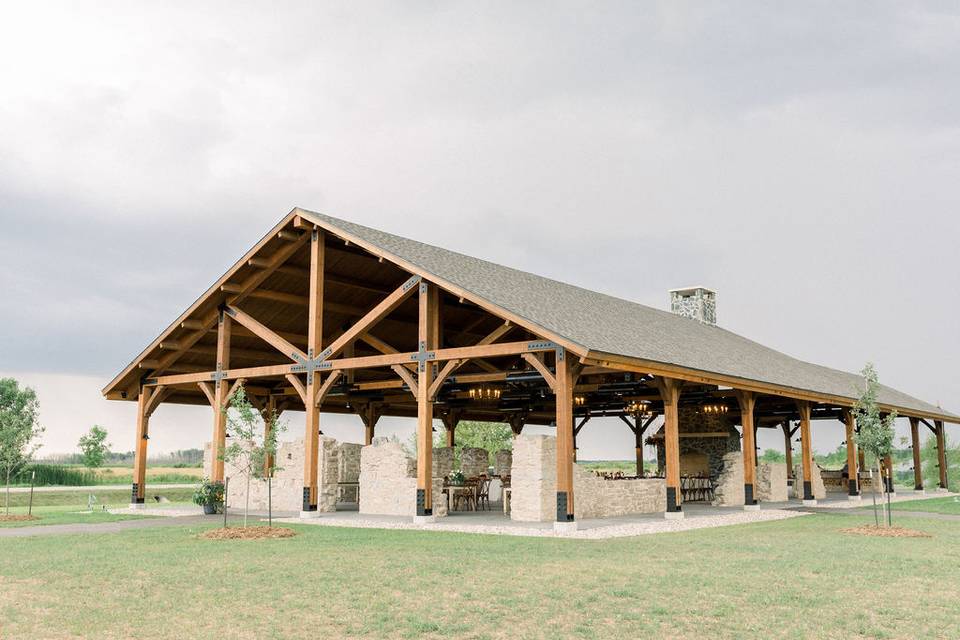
883	510
876	518
246	504
6	508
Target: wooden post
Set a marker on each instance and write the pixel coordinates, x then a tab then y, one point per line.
311	432
638	445
220	396
803	407
788	448
369	414
748	402
450	421
853	469
941	454
915	442
565	381
140	449
861	459
670	392
427	333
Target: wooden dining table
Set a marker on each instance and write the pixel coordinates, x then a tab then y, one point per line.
449	489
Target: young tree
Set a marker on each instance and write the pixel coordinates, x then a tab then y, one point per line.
253	441
93	447
19	428
875	432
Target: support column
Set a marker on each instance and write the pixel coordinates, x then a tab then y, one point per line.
941	454
670	392
638	444
565	381
788	448
853	469
748	402
428	330
450	421
369	414
220	391
140	449
915	444
270	415
311	429
803	407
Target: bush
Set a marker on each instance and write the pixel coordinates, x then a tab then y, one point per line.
209	493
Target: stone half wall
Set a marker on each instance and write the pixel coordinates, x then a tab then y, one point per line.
534	486
474	461
816	482
388	479
335	464
728	490
771	484
502	462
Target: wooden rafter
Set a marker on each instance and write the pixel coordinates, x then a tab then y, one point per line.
326	387
536	361
266	334
453	365
207	389
297	385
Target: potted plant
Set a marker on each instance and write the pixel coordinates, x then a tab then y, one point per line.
456	477
209	495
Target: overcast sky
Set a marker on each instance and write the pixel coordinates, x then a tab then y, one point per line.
800	158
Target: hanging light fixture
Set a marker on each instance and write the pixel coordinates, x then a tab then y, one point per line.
639	408
484	393
579	401
716	408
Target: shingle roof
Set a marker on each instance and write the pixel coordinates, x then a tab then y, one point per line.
603	323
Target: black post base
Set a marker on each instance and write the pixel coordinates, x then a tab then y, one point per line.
748	494
852	488
672	500
807	490
422	509
562	515
306	500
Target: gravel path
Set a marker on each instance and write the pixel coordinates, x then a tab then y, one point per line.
620	530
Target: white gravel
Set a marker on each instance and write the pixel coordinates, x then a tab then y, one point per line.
619	530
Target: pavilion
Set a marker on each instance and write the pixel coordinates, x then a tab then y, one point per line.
324	315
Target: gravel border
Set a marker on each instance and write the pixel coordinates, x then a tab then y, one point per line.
593	533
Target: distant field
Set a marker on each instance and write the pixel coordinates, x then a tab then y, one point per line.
626	466
949	505
155	474
106	496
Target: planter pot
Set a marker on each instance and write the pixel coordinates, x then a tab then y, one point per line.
209	509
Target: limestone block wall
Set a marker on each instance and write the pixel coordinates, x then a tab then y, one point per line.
328	474
287	481
349	469
596	497
388	479
729	488
534	486
502	461
816	482
474	461
534	479
771	484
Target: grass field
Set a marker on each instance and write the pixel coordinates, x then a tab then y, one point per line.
64	515
797	578
949	505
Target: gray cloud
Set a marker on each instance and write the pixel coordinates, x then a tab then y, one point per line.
801	159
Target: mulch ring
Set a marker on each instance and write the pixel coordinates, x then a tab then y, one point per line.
23	518
248	533
885	532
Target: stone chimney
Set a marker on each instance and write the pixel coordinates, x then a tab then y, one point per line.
698	303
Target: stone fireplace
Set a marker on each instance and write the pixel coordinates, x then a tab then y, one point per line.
704	441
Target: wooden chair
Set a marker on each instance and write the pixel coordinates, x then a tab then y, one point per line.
466	495
483	494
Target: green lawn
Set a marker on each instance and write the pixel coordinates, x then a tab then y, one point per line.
947	504
64	515
797	578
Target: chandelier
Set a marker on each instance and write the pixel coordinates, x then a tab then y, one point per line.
579	401
715	408
638	408
484	393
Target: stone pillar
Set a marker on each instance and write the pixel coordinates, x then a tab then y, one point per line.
853	469
915	442
748	402
806	452
670	392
